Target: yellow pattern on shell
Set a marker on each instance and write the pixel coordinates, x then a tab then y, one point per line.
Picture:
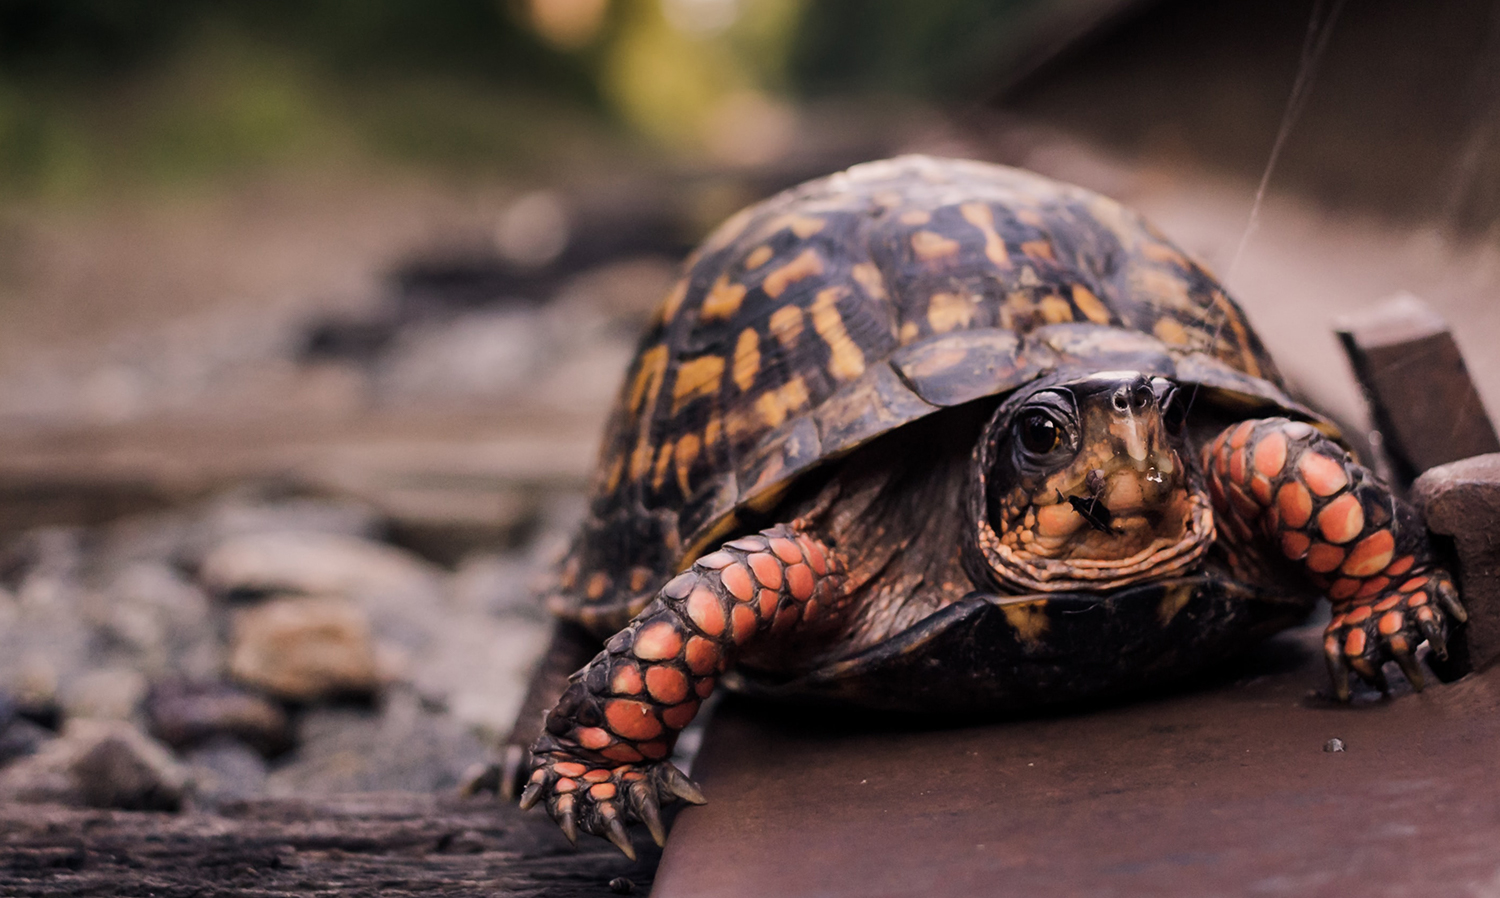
845	360
805	265
698	377
746	359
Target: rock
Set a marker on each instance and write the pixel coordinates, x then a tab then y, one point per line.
236	515
99	763
314	564
43	640
403	744
479	667
1461	500
402	596
225	769
122	768
159	620
19	737
586	378
106	693
183	715
304	648
184	536
22	738
444	520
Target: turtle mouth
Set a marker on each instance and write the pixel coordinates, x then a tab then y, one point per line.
1068	550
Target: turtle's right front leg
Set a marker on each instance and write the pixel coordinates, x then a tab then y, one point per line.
602	758
1366	548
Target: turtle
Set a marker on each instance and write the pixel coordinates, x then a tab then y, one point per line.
936	435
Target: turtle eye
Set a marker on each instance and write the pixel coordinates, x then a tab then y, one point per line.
1039	434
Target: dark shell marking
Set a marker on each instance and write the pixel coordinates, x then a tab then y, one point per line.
851	305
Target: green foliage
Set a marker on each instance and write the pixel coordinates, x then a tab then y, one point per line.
102	93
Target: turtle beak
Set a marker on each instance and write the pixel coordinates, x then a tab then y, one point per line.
1143	470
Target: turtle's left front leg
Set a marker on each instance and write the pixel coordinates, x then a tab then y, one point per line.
602	758
1282	482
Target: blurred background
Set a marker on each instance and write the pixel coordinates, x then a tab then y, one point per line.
310	313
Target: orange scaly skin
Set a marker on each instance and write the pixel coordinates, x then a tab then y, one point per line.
1367	550
601	759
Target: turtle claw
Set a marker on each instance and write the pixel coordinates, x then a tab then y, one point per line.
1433	630
1447	597
614	831
1338	671
678	784
1364	634
643	802
531	796
1409	667
602	797
566	821
1371	673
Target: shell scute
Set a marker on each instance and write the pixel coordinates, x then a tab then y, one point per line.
959	367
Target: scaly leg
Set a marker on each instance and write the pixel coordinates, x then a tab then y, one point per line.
1366	549
601	760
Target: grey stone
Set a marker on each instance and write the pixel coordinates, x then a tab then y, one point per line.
400	594
237	514
161	622
621	295
1461	500
187	714
22	738
44	641
304	648
403	744
106	693
444	520
225	769
184	536
99	763
316	563
478	666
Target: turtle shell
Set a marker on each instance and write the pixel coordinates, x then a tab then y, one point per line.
844	308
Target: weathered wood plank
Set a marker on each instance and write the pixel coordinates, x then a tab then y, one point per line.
1422	399
387	844
1461	501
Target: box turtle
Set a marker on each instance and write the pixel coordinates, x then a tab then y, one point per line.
937	435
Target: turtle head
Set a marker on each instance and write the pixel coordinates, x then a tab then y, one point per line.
1081	484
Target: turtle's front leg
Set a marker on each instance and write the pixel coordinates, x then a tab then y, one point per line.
602	758
1284	482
